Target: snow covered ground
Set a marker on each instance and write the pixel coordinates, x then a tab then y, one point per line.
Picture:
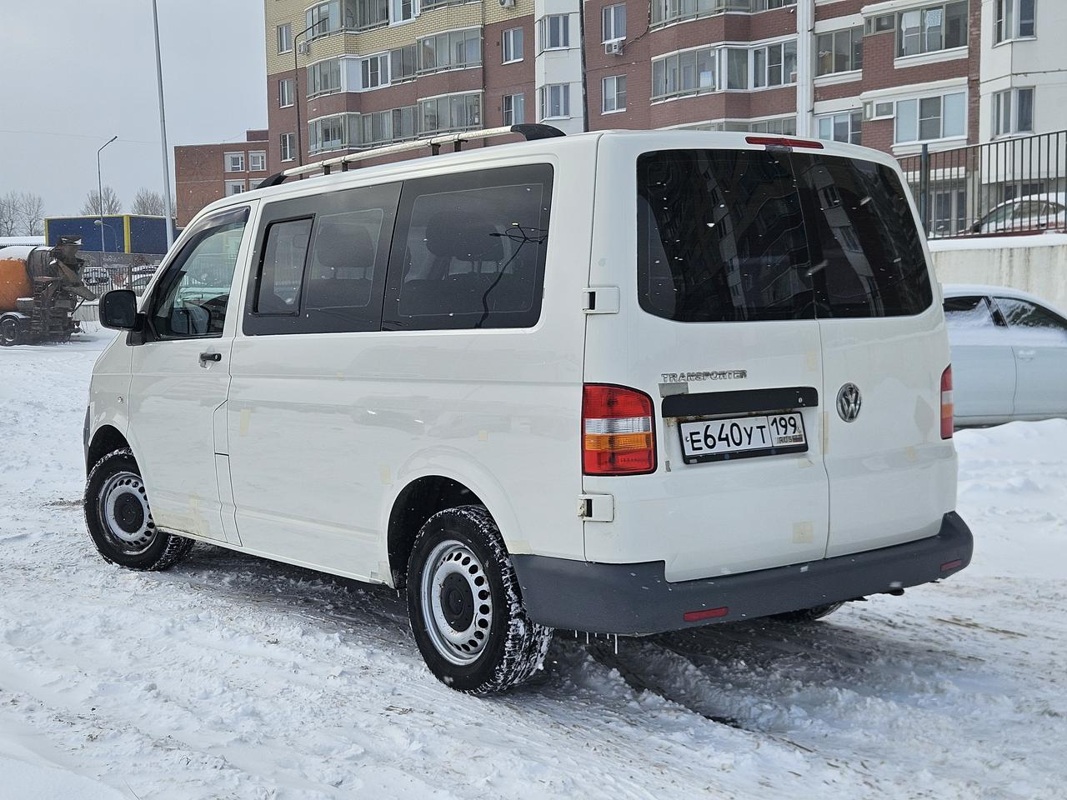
230	677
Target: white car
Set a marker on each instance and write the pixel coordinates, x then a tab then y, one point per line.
1009	355
1034	213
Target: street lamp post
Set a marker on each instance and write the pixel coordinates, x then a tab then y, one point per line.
100	193
296	92
163	132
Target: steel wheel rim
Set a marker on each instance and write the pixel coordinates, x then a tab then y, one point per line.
457	603
123	508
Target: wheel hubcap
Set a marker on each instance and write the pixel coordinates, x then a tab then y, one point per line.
123	508
456	602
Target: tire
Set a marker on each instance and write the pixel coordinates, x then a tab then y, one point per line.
120	520
10	332
807	614
465	607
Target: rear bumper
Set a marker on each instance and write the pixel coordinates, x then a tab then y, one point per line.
637	600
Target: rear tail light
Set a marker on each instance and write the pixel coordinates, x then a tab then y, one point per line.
617	436
947	410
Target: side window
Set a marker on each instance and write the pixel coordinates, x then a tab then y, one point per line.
192	297
469	250
968	314
1039	324
321	262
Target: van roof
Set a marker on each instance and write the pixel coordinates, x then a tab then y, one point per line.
658	139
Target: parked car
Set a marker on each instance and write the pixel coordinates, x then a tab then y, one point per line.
620	382
1009	355
95	276
1033	213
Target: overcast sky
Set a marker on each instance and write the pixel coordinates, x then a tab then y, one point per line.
77	72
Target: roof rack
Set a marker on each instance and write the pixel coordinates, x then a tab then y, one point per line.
527	131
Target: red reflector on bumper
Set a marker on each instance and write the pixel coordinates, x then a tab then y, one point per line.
707	613
952	565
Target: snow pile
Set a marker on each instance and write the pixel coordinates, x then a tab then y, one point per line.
231	677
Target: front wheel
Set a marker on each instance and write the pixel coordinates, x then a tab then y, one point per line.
120	520
10	332
465	608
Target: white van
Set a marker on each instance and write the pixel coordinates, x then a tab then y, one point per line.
618	382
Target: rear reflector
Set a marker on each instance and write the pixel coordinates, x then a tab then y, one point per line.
783	141
951	565
947	408
617	435
707	613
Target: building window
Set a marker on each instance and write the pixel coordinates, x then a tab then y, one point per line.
287	146
369	14
685	73
614	93
1013	111
257	161
555	32
840	51
450	112
555	101
613	20
324	77
928	118
784	126
285	92
1014	20
766	5
452	50
234	187
511	45
844	127
375	71
235	162
774	65
333	133
285	37
513	108
403	63
736	68
403	10
323	19
927	30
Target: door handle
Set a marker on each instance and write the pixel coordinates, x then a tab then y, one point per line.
206	357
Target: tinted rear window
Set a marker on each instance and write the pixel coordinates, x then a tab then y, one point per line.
748	235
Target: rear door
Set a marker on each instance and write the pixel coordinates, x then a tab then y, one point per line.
891	474
1039	342
983	363
716	326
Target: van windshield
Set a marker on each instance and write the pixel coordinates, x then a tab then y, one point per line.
750	235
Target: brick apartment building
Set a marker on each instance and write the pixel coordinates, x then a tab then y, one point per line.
206	172
345	75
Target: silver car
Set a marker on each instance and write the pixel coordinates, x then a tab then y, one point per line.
1009	355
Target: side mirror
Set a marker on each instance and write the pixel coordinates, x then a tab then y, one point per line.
118	310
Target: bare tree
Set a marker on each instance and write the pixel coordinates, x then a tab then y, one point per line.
110	205
150	203
21	214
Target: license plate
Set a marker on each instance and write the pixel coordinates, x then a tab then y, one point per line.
742	437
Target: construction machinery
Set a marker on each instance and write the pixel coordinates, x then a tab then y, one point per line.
40	288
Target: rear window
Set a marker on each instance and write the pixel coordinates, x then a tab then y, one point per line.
750	235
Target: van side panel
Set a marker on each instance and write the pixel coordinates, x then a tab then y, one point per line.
496	410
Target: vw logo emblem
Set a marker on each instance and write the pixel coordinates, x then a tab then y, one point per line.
849	402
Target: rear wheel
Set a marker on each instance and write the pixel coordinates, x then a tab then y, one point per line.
808	614
10	332
120	520
465	608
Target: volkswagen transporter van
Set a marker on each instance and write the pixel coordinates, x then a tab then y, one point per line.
619	382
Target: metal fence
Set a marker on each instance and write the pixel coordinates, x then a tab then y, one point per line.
1009	186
